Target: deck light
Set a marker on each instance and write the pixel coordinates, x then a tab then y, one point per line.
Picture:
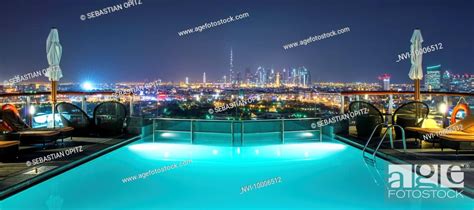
443	108
32	110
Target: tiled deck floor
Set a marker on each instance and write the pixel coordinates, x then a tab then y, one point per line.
15	171
427	154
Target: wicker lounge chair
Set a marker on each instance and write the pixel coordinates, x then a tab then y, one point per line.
109	119
73	116
411	114
365	124
13	122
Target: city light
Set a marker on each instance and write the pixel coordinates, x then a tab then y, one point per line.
87	86
443	108
32	110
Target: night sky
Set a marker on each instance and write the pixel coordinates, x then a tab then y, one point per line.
141	43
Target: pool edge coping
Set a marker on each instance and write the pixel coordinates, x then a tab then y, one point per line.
57	171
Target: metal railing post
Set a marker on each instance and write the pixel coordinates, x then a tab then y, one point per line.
232	131
342	105
192	132
154	128
445	114
131	105
242	135
321	134
28	115
84	103
390	104
282	131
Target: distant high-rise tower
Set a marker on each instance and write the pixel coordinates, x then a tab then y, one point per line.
204	78
187	80
304	77
248	76
261	76
284	76
433	78
231	76
238	78
277	79
446	81
385	81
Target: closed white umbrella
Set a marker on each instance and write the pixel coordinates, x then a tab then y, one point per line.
416	70
54	51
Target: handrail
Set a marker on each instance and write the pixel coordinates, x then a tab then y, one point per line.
348	93
343	93
79	93
259	120
389	129
371	135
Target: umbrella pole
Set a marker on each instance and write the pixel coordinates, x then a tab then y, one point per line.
417	90
53	99
417	98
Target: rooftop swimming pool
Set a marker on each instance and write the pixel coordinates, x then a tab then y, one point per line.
147	175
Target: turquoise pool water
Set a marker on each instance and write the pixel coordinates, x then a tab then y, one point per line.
320	175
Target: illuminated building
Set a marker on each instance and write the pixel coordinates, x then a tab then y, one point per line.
446	81
248	76
433	78
385	81
231	73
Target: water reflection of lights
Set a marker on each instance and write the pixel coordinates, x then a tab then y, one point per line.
301	151
166	134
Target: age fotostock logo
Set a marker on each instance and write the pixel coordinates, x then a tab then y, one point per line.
425	181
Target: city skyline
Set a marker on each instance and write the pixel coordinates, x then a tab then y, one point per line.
139	44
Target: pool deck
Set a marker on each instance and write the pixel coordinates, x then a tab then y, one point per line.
427	154
15	175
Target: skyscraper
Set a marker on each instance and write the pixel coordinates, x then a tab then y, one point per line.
304	77
433	78
248	76
277	79
238	78
204	78
231	73
385	81
446	81
261	76
293	76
